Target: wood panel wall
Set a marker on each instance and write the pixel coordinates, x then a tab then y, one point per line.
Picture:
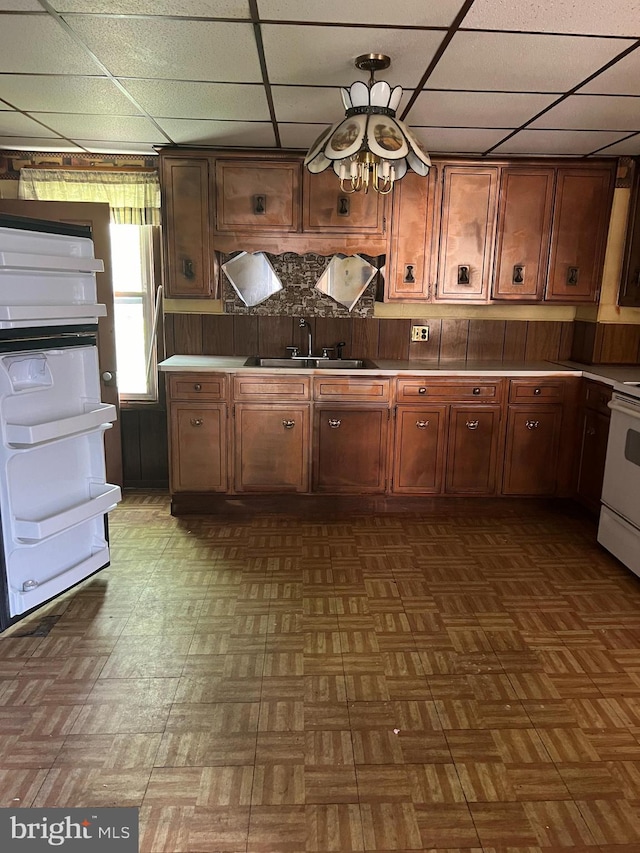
145	459
606	343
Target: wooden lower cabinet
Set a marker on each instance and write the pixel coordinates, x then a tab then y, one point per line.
419	449
595	419
271	447
531	452
472	452
350	448
198	447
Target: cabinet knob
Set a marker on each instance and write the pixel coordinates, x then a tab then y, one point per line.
537	391
476	391
334	423
197	386
472	424
532	424
422	390
196	422
288	424
422	424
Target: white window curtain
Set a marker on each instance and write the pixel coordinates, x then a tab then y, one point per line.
133	197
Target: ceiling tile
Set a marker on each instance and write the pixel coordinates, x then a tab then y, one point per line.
561	142
125	128
627	148
20	6
307	103
174	99
299	135
458	140
47	93
586	17
15	124
26	143
408	13
200	132
593	112
34	44
193	9
170	49
511	62
324	56
476	109
623	78
117	148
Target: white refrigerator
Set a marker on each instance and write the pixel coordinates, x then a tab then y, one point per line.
53	491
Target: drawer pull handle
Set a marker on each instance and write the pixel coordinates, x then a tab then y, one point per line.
532	424
334	423
197	422
476	391
422	424
422	390
197	387
537	391
288	424
591	431
472	424
187	269
259	204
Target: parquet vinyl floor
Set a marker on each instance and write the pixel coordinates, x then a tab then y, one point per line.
462	678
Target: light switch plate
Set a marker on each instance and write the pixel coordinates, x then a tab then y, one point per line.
419	333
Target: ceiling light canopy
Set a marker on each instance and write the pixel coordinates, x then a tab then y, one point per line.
369	147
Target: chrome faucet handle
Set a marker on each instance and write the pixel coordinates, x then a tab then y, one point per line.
294	351
326	351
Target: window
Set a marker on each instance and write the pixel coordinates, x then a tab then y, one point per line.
133	296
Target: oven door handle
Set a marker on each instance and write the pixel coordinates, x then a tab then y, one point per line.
631	409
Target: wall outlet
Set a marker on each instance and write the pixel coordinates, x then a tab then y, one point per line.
419	333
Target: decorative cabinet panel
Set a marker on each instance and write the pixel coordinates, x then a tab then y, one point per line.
271	447
189	261
524	228
579	234
531	454
350	448
629	295
327	209
412	236
198	455
472	454
419	449
467	233
595	419
257	196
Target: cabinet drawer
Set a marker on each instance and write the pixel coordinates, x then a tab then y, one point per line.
596	395
536	390
351	389
417	389
275	388
197	386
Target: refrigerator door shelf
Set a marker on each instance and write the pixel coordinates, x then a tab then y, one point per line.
19	261
26	316
105	498
26	287
37	242
26	435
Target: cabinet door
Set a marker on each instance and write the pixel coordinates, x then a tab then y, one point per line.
350	446
467	232
579	234
524	230
630	284
531	454
418	459
189	263
271	447
198	455
593	453
257	196
327	209
472	449
412	217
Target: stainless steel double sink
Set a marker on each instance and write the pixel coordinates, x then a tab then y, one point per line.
312	363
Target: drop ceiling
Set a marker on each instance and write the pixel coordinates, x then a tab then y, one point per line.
496	77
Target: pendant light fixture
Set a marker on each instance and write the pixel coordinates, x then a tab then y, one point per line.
369	148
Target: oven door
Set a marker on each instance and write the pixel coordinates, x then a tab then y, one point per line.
621	486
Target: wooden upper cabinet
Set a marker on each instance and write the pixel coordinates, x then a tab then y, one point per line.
327	209
630	284
524	228
257	196
579	233
467	233
412	220
189	262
